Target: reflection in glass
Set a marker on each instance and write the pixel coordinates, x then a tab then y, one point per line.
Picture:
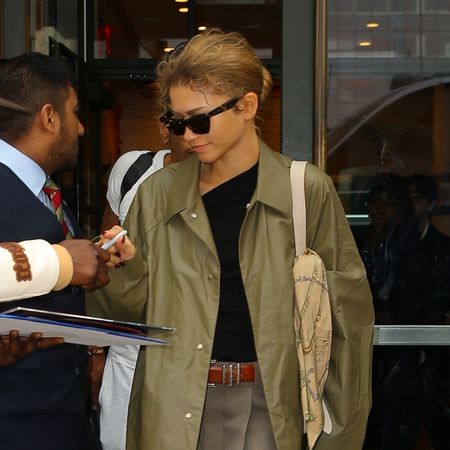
409	40
388	141
258	20
127	29
135	29
53	19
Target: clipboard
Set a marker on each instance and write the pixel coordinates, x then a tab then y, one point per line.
78	329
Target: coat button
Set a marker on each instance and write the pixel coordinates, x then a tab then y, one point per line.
200	347
188	415
194	215
210	277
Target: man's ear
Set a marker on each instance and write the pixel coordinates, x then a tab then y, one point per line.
48	118
249	105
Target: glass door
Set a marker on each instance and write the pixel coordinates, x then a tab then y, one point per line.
388	101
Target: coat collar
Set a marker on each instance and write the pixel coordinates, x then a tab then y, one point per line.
183	191
272	189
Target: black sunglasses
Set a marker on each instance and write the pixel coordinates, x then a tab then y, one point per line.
199	124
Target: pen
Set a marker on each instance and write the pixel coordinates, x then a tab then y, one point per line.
113	240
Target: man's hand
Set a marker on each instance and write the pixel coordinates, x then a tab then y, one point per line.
89	263
96	367
13	347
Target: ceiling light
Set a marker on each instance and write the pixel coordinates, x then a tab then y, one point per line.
372	25
364	43
183	10
181	1
168	49
201	28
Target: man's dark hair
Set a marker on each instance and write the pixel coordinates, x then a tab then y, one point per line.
32	80
391	184
425	185
394	187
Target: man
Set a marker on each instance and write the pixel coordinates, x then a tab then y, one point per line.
434	248
434	245
42	396
35	267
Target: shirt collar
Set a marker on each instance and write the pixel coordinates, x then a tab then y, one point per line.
24	167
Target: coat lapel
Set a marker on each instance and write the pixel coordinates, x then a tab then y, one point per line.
184	200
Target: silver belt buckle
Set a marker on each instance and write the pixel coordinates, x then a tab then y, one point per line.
230	367
211	364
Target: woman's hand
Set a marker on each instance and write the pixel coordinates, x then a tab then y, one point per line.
122	250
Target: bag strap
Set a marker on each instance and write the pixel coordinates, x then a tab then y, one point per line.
135	171
297	175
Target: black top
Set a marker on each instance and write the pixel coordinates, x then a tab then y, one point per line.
226	207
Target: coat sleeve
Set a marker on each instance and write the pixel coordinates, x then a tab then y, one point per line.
125	296
28	269
348	387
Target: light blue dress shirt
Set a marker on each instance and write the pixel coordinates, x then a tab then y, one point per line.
29	172
26	169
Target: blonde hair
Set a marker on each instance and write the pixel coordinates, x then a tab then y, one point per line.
217	62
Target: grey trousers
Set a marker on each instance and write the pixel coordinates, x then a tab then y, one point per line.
237	418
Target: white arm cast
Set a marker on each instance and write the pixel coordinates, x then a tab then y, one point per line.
32	268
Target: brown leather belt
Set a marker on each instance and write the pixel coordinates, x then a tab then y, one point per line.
219	373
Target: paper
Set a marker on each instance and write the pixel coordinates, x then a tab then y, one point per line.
89	321
72	333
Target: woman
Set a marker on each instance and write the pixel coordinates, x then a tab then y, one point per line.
216	252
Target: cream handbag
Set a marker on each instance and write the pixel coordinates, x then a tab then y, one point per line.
312	317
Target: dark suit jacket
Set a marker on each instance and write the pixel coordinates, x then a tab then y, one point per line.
42	397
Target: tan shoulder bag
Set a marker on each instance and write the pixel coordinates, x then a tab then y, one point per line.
312	317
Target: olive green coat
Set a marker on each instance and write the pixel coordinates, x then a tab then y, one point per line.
175	278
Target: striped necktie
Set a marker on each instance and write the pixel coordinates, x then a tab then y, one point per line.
54	194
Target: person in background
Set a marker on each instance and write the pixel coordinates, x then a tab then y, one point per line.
385	245
215	250
402	282
117	206
121	360
435	361
42	395
433	243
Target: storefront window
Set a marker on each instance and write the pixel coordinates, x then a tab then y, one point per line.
131	29
388	154
258	20
55	19
388	100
